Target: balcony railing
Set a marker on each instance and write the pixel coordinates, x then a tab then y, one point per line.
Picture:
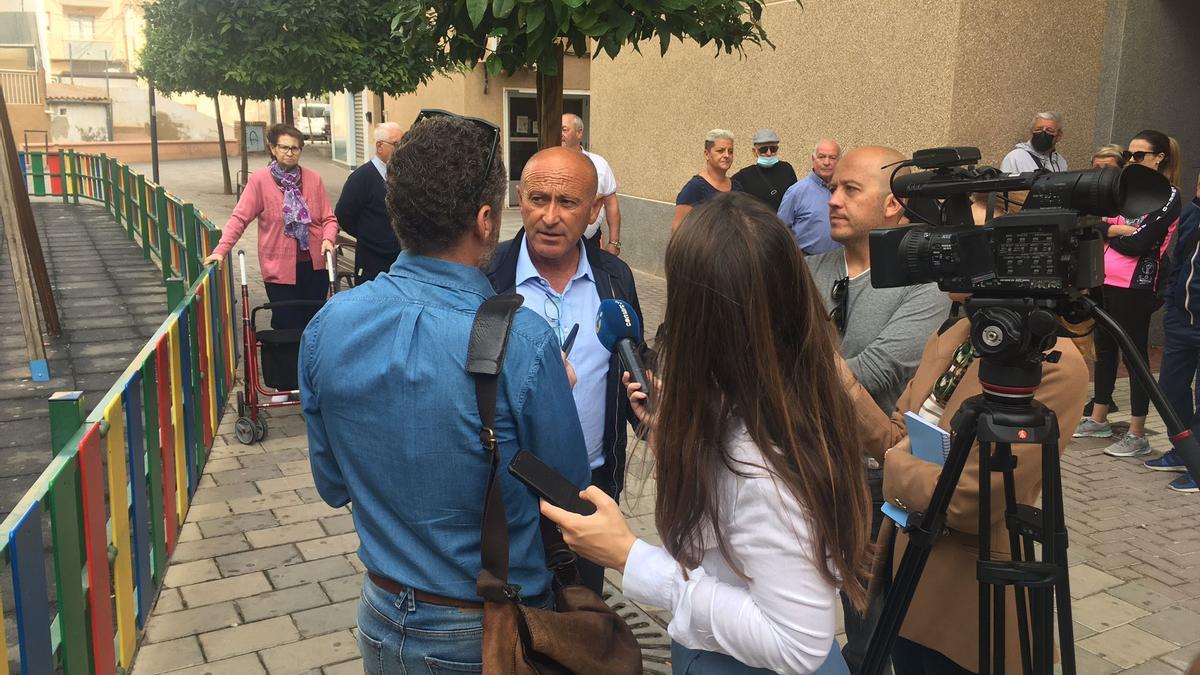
21	87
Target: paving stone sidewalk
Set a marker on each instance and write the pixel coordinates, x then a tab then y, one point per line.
265	579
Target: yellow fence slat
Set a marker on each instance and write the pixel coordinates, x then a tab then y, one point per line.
177	421
118	499
210	378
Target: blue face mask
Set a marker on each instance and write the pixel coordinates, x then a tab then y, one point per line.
768	162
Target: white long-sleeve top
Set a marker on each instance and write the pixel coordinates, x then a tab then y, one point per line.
783	616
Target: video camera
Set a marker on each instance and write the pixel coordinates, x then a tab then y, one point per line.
1049	249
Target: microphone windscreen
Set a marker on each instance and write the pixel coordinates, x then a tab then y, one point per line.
616	320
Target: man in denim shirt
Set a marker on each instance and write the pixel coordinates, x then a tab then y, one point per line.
393	425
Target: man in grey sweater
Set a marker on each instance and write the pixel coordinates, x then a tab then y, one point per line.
883	330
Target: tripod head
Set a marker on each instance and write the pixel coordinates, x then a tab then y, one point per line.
1011	336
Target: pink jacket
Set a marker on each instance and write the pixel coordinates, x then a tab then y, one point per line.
263	199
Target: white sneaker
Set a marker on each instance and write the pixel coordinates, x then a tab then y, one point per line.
1089	428
1130	445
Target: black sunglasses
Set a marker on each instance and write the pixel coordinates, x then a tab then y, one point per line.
486	126
1136	157
841	308
772	149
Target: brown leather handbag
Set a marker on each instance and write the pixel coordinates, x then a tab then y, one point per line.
582	635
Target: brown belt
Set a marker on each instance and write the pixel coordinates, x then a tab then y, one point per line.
421	596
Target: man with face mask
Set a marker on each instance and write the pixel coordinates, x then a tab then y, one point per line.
768	178
1039	151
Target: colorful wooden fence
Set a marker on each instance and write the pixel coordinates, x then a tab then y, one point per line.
116	494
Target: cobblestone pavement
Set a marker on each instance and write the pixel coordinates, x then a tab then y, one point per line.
265	578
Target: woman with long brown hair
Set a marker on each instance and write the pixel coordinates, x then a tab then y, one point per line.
761	502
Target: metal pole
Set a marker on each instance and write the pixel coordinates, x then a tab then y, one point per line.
153	138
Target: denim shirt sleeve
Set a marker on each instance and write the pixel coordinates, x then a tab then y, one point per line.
327	475
547	422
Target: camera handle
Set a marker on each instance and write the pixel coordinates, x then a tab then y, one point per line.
1181	436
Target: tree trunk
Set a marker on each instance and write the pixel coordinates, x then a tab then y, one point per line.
289	117
224	152
550	104
241	106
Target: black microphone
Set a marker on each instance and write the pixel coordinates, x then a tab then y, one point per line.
618	328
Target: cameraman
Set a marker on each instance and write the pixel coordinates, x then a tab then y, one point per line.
940	633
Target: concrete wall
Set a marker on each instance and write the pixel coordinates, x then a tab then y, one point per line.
28	118
1151	76
139	151
911	75
860	71
465	93
82	121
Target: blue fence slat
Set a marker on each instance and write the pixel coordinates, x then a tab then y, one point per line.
31	593
189	403
135	439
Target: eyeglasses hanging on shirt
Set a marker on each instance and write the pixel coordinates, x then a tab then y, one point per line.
841	304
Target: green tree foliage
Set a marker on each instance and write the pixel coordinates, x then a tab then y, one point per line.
509	35
261	49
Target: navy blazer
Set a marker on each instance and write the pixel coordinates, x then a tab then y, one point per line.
614	279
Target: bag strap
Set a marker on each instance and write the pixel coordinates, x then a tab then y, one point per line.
1036	160
485	360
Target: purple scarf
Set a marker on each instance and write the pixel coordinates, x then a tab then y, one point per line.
296	218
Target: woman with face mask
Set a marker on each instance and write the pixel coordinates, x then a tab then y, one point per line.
1133	260
713	180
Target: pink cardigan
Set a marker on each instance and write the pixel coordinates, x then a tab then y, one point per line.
263	199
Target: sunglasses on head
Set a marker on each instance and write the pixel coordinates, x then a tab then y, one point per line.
1136	157
484	125
768	149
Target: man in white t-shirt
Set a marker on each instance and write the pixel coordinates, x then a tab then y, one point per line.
606	187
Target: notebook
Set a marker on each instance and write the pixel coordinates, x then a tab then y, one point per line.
930	443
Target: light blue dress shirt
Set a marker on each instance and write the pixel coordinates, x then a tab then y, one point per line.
393	424
577	304
379	166
805	210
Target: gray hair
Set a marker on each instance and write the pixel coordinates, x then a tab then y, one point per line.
576	121
1052	116
381	130
711	138
817	147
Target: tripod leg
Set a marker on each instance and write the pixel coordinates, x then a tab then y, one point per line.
985	553
1022	549
1055	551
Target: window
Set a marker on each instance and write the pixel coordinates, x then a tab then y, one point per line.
82	26
62	110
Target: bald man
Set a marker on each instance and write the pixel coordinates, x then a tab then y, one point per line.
564	281
883	330
804	208
362	213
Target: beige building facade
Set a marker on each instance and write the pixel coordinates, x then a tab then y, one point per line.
909	74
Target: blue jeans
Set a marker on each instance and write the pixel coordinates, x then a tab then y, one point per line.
1181	355
397	634
686	661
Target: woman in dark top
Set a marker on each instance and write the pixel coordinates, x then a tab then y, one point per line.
1133	258
718	157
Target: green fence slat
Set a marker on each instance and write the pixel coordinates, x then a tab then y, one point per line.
158	542
65	516
38	169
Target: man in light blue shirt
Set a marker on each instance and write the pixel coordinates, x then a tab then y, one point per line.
564	282
805	207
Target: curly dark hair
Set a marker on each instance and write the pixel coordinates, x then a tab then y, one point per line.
278	130
433	177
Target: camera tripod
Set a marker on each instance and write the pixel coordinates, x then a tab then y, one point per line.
1010	337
